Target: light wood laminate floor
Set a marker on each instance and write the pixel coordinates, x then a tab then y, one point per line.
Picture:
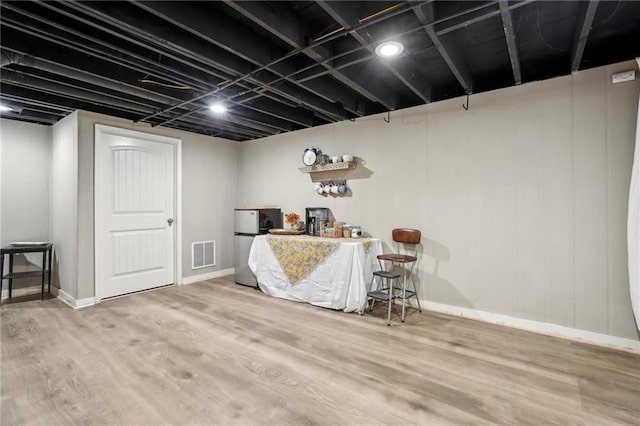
218	353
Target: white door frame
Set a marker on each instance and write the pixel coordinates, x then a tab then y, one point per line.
100	130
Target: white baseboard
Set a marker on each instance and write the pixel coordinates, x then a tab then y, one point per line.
536	326
75	303
23	291
207	276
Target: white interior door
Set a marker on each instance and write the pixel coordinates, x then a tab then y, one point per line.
135	211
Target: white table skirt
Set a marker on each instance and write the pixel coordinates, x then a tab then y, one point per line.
340	281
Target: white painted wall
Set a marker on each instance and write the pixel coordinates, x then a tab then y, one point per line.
209	195
25	175
522	199
25	152
64	203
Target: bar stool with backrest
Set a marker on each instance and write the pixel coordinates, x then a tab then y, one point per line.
407	241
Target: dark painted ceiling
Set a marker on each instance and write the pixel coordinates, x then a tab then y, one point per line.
280	66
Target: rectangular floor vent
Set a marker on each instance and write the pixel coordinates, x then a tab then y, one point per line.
203	254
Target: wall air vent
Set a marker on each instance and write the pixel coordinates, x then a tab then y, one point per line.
203	254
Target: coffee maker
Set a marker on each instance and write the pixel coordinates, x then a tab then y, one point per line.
315	217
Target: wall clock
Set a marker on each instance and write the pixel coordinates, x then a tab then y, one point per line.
309	156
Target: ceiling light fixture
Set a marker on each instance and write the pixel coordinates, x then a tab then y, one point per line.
218	108
389	49
4	108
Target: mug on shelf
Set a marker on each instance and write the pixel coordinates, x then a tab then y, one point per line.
347	158
336	159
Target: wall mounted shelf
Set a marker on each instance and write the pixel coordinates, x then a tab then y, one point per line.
328	167
329	172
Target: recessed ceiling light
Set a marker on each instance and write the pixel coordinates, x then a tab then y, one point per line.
218	108
389	49
4	108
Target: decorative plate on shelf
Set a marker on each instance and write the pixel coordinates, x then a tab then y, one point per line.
285	232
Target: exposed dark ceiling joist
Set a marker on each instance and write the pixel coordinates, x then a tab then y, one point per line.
447	47
582	33
510	36
287	65
277	19
225	34
408	73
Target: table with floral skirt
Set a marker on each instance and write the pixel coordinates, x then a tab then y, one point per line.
328	272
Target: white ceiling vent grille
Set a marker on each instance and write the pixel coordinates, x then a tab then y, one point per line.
203	254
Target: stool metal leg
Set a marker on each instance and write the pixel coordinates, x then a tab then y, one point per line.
49	270
415	291
44	271
10	273
390	285
1	272
373	300
404	288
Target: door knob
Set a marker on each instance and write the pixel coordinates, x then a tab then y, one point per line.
170	221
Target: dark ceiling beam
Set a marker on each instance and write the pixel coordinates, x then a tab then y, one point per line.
287	56
24	60
227	35
270	104
61	109
300	97
125	60
282	22
229	117
587	13
36	63
21	106
276	123
250	122
344	60
510	36
153	35
447	47
32	116
472	16
222	32
407	73
276	109
68	55
177	42
247	126
46	85
78	10
26	93
219	31
218	124
69	91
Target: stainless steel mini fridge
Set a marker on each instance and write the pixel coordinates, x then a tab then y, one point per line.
248	224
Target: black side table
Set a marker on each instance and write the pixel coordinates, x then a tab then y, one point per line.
11	250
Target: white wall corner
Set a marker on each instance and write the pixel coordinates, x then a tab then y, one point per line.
207	276
548	329
75	303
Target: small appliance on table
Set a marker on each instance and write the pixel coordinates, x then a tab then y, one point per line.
314	218
248	224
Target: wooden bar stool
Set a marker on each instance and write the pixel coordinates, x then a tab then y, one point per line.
388	286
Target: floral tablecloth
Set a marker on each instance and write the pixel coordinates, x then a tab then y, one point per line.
328	272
